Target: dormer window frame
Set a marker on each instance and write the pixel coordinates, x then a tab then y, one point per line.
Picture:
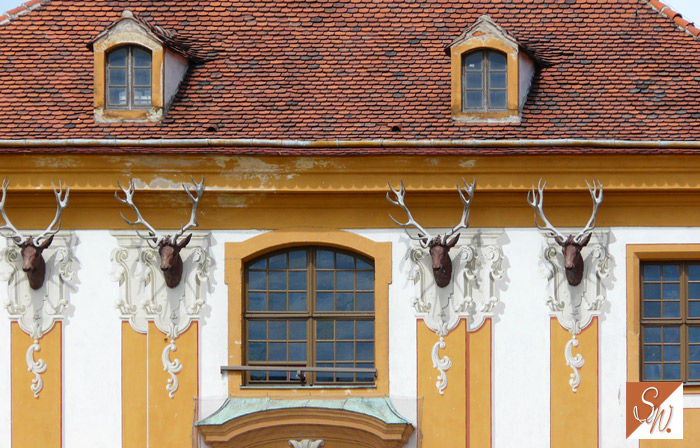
130	73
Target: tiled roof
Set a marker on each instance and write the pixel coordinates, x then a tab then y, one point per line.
316	69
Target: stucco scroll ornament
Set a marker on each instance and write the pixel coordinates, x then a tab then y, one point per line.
306	443
37	310
576	293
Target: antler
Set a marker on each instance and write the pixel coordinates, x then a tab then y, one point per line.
154	238
535	200
423	237
464	222
597	196
199	189
60	205
15	235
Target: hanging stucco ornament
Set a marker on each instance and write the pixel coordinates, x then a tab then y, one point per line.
146	294
466	290
306	443
575	280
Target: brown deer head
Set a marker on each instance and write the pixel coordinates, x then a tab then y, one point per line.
438	246
32	247
571	245
168	246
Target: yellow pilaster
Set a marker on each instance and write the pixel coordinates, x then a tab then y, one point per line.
134	388
479	404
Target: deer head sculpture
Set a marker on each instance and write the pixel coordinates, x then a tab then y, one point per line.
168	246
31	247
571	245
439	245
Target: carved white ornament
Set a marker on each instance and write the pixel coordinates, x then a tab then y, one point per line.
144	296
306	443
471	294
36	311
576	306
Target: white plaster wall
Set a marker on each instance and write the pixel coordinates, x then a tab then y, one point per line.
173	74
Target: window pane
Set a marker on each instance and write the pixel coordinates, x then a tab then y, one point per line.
297	280
362	265
474	99
297	259
344	351
324	351
278	351
694	353
256	301
142	95
278	261
652	335
344	301
324	301
652	371
672	272
117	96
324	281
652	353
497	99
694	290
297	352
694	272
498	80
365	301
278	376
672	371
324	259
261	264
117	77
672	309
694	372
652	309
257	280
344	261
365	329
297	330
694	335
365	280
473	61
257	351
142	77
474	80
345	280
652	291
278	301
672	335
672	353
345	329
258	375
365	351
671	291
497	61
324	377
297	301
117	58
324	329
278	281
278	330
652	272
257	329
141	58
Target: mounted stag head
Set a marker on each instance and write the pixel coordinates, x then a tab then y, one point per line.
440	245
31	247
168	246
571	245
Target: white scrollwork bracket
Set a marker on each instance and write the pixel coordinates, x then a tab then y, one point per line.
144	297
470	295
576	306
306	443
36	311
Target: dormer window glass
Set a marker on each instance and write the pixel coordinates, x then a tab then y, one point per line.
129	78
484	81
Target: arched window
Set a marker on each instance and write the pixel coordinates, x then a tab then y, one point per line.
310	307
484	81
128	75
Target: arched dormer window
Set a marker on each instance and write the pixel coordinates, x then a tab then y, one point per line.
484	81
128	78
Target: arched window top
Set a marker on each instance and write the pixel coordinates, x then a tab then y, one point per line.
128	74
484	81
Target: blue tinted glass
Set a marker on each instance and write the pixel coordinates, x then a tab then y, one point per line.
258	375
278	301
117	76
142	58
365	351
297	280
652	291
672	353
297	330
297	259
652	272
256	301
362	265
297	351
257	351
344	377
345	281
344	301
365	280
652	353
694	335
324	351
324	281
672	309
278	281
297	301
257	329
365	329
474	80
278	261
671	291
498	80
278	351
142	77
344	329
257	280
325	377
694	353
652	371
278	330
365	301
260	264
324	259
473	61
694	371
365	377
672	272
694	272
344	351
672	335
142	95
497	61
652	335
278	376
497	98
694	309
694	290
652	309
117	58
343	261
324	329
324	301
474	99
672	371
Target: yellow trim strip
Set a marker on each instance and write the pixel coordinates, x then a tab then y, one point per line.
479	388
134	388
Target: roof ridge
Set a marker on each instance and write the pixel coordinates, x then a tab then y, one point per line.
686	25
25	7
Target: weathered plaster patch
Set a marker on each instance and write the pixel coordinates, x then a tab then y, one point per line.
471	163
238	200
254	164
433	162
309	164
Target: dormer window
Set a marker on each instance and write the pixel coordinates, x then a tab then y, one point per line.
128	74
484	81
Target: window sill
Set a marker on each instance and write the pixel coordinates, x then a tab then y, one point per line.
285	387
486	117
151	115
